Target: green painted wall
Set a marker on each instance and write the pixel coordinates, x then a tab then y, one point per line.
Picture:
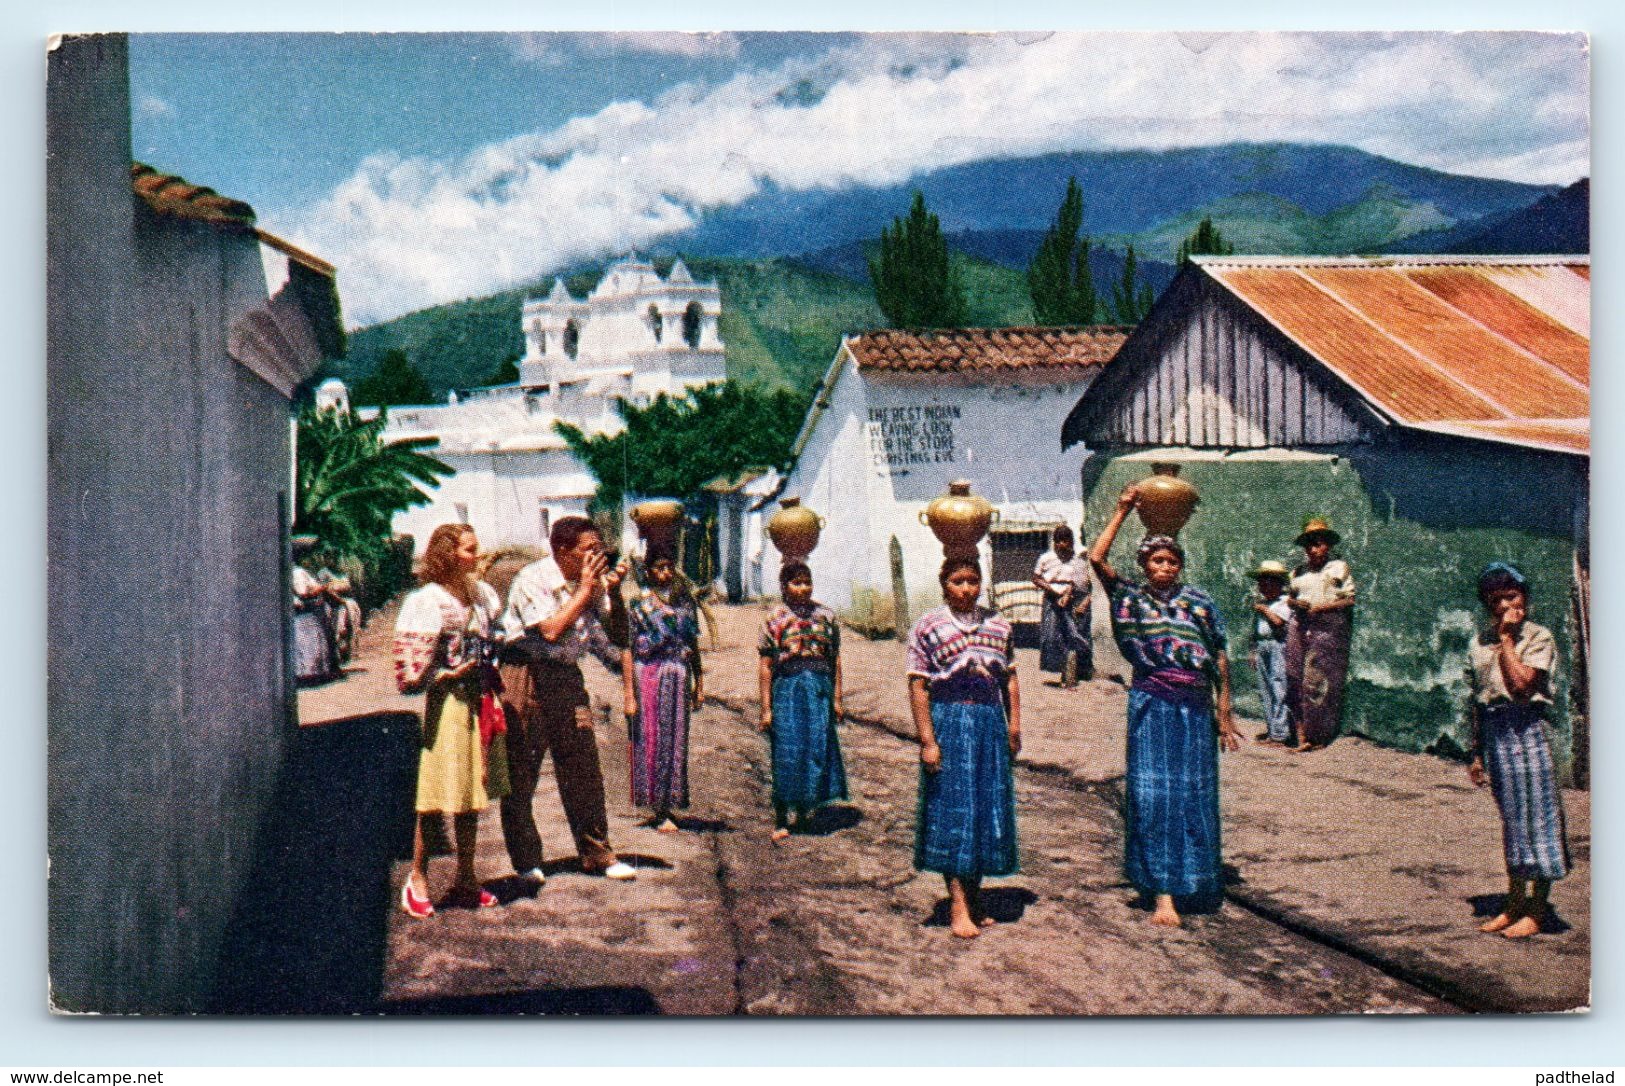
1418	520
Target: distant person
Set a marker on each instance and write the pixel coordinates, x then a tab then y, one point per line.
556	613
315	652
663	684
1511	664
1321	595
800	684
967	711
1173	636
1066	644
1271	619
444	646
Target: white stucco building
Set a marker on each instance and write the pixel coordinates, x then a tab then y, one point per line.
900	415
633	337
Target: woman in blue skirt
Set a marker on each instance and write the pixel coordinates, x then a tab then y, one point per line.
1511	665
967	709
1172	635
801	700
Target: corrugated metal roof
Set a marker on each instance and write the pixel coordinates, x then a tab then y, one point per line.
973	349
1490	347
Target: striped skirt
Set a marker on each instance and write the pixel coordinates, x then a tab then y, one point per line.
807	767
1173	797
967	816
660	748
1519	761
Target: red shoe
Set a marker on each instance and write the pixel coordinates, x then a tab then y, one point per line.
462	898
419	908
488	900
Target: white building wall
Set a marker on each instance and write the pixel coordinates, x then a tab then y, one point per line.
830	479
502	496
889	444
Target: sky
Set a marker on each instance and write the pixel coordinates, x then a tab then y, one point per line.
436	167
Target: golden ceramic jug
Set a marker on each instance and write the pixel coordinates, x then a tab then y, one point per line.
1166	501
959	519
658	520
794	529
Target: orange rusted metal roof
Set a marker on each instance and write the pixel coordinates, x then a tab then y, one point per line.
1490	347
982	349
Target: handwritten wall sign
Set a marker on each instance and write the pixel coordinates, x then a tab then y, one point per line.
901	437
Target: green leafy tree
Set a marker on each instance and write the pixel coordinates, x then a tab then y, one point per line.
394	381
1132	299
1059	279
351	483
916	285
676	444
1205	240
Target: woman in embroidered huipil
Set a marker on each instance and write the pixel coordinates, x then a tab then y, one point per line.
1172	635
444	646
967	710
801	700
661	669
1510	666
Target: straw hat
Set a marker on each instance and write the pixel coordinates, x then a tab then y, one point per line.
1317	526
1272	569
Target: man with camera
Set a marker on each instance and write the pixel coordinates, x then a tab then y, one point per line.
560	608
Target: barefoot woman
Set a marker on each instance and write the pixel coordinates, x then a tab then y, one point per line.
967	710
1173	636
1511	674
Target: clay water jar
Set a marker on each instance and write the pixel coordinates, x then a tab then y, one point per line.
658	520
959	519
794	529
1166	501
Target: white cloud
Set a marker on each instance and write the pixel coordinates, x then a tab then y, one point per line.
559	48
152	106
407	233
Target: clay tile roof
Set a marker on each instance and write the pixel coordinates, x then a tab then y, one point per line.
175	196
977	349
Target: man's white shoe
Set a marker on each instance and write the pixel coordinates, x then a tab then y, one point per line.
620	871
535	874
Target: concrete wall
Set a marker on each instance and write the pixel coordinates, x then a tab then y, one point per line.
887	446
170	707
1419	519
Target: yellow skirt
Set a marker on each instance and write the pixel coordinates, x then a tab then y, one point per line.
456	776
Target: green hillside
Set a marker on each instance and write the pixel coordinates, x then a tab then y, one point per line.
781	321
1256	223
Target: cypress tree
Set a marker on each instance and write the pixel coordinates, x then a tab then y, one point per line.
1206	240
915	283
1058	279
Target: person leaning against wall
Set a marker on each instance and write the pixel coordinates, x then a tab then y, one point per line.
556	613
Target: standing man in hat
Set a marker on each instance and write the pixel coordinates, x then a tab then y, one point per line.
1271	619
1321	597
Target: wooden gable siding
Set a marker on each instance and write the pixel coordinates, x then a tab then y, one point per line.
1216	379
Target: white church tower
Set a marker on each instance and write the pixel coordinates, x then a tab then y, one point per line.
636	335
633	337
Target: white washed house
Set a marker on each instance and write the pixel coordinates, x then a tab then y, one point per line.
635	336
899	415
